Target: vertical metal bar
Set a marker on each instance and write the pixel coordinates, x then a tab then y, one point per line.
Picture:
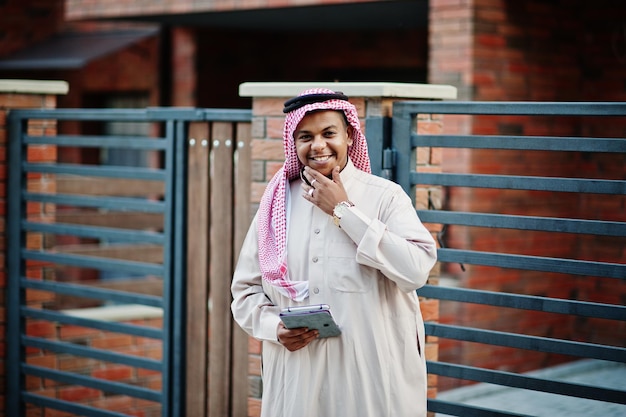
375	133
179	270
15	265
167	361
401	142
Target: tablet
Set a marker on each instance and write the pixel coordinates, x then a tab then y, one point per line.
312	316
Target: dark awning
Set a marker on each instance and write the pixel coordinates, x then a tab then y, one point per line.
72	50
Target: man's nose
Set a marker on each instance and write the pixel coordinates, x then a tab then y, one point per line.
318	143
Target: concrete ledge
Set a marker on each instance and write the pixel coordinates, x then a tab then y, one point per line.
115	313
34	87
352	89
587	372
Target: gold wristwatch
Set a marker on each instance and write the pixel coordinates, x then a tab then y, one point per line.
339	209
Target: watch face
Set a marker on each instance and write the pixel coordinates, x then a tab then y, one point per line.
338	210
337	214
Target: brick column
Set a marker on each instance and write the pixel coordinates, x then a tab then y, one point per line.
184	77
371	100
20	94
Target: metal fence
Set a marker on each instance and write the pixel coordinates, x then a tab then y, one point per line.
406	142
109	208
98	235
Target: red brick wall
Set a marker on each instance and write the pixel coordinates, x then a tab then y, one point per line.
497	50
550	51
112	342
142	347
40	154
24	22
129	71
185	75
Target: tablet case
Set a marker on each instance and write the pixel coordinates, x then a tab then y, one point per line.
315	319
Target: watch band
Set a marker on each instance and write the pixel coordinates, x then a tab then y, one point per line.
339	209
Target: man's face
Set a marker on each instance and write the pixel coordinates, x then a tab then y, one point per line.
322	139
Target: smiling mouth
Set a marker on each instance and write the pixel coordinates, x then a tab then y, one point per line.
322	158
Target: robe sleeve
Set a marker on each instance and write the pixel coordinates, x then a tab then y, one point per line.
252	309
396	243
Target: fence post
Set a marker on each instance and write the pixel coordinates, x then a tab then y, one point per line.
17	94
428	159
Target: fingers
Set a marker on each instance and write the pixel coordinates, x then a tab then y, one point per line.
336	176
308	184
313	182
294	339
316	180
325	192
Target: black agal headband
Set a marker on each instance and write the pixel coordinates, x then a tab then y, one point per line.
297	102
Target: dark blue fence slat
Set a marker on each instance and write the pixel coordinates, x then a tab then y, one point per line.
111	203
401	128
95	383
131	329
546	143
545	224
97	171
527	382
531	108
80	410
455	409
526	302
130	142
168	228
90	292
226	115
534	263
541	344
103	264
377	133
516	182
150	114
178	267
93	353
16	239
169	374
118	235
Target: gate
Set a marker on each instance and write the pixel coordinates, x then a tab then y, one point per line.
601	188
101	279
98	266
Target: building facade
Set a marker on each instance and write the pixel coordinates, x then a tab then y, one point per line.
197	53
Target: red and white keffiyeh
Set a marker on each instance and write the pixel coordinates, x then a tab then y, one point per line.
272	214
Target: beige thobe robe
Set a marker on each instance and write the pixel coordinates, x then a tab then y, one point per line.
367	271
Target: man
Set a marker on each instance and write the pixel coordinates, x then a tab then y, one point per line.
329	232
